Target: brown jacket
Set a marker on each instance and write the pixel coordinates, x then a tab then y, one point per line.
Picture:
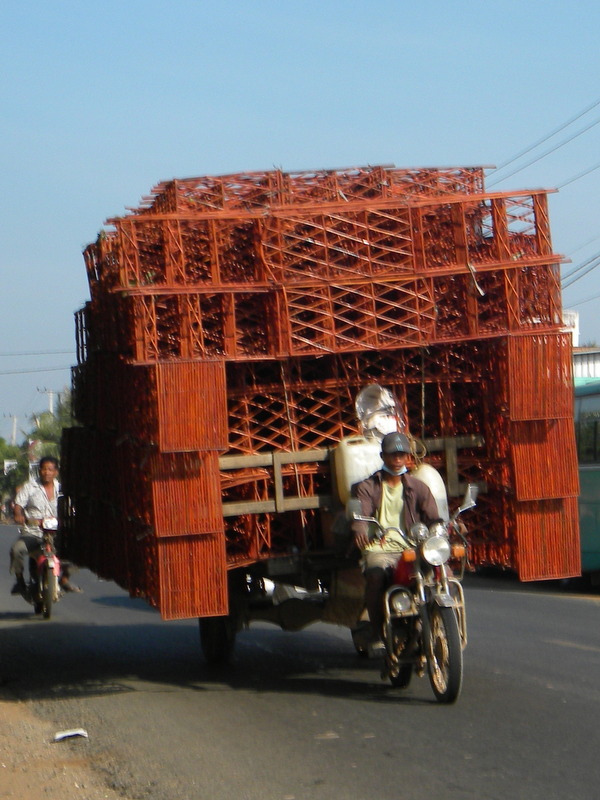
419	503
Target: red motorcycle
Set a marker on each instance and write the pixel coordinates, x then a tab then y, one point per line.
44	584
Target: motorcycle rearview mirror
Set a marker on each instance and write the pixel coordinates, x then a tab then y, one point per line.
470	497
353	508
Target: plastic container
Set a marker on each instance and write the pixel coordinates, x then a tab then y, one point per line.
355	458
433	479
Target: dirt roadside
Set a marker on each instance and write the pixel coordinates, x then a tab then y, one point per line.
35	767
32	765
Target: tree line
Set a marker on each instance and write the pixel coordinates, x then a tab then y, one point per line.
42	439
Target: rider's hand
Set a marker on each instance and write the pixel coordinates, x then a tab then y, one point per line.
361	539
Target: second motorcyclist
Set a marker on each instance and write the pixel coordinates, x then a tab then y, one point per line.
36	500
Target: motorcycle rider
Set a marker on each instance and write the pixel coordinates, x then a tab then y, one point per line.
35	501
395	499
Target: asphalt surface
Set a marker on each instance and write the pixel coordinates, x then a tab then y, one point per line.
299	716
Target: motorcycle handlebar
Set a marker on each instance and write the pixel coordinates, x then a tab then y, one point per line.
354	509
381	531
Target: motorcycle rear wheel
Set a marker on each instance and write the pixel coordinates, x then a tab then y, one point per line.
444	655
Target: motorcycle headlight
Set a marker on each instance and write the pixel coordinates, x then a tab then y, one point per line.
436	550
400	602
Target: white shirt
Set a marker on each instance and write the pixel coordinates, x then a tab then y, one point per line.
34	501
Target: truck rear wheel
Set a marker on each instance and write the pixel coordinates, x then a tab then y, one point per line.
217	639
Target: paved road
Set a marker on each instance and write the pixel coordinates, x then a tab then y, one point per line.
300	717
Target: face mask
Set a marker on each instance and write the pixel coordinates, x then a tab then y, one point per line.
397	472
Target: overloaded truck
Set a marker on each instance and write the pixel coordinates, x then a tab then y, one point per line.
234	322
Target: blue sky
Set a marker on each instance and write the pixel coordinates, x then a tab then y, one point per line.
101	101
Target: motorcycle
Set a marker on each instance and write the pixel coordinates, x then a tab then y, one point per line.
45	569
424	607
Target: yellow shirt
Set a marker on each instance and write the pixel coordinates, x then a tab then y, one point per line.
390	516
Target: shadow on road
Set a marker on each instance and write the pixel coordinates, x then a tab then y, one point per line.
506	580
55	661
123	601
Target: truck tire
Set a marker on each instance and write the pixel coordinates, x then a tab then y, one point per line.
217	639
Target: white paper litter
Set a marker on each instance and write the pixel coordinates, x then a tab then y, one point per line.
60	735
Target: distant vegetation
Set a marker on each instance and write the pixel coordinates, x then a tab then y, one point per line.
42	439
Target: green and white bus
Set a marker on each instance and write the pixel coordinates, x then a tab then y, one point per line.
587	431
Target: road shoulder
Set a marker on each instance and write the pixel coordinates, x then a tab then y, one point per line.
34	766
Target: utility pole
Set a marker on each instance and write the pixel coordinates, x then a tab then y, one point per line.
50	393
13	438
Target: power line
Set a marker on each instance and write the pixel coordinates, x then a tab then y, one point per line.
30	371
580	267
40	353
588	270
585	244
576	178
548	136
581	302
547	153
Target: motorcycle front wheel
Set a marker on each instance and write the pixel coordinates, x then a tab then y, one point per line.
444	654
49	591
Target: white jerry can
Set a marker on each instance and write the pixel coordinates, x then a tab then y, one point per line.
355	458
433	479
